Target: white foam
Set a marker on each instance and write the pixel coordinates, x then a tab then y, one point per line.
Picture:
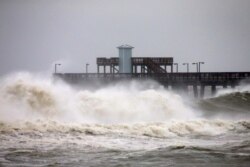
28	97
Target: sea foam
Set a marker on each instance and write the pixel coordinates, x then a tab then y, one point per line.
27	97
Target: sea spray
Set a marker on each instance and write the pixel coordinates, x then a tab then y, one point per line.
27	97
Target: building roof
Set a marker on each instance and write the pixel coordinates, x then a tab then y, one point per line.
125	47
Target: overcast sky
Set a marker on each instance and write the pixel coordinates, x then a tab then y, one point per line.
34	34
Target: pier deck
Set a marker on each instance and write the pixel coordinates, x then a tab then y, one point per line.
175	80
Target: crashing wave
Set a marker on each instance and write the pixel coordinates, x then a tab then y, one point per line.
25	97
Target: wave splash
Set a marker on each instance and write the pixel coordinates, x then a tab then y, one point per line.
25	97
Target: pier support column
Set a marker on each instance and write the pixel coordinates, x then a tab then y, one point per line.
166	86
174	87
225	86
195	91
213	89
181	88
202	91
98	69
177	88
232	85
185	88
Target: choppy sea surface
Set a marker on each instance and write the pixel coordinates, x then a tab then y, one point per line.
48	123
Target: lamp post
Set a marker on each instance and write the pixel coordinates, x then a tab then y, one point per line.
56	66
87	68
176	64
197	66
200	65
187	66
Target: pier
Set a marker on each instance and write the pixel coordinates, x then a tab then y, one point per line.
159	69
174	80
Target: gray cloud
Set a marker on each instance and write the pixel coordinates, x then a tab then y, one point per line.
34	34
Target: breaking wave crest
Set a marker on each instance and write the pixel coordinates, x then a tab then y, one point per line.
229	100
240	100
25	97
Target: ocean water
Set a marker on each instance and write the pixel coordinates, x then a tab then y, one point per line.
44	122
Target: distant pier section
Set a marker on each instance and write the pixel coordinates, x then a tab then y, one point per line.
160	69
